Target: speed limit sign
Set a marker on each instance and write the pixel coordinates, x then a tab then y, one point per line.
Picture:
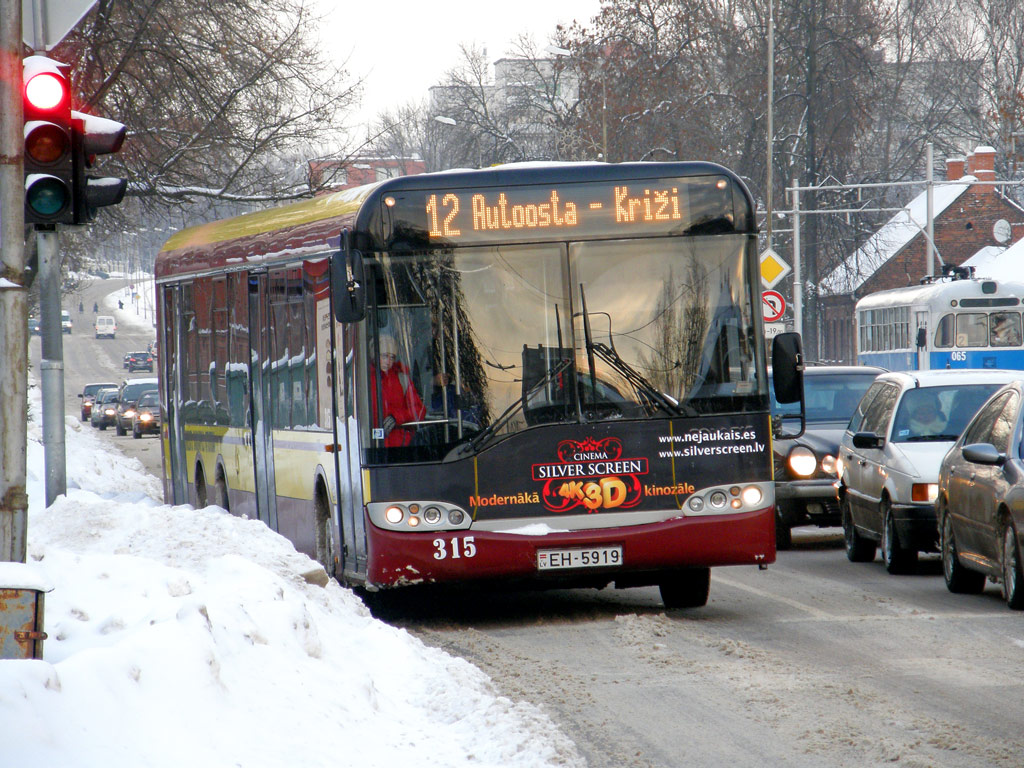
773	306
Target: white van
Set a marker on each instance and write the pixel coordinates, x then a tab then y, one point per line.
106	326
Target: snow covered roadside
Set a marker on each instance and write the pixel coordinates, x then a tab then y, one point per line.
189	637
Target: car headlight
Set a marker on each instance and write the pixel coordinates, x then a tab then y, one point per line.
145	417
828	464
802	461
129	413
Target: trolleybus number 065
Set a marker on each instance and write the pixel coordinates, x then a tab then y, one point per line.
551	559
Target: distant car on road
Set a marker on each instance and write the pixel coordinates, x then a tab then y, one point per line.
65	321
104	409
805	467
890	456
88	395
33	326
105	327
129	393
139	361
147	414
981	500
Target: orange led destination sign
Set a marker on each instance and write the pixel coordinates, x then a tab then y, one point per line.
619	208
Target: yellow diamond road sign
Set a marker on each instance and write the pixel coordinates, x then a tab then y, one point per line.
773	268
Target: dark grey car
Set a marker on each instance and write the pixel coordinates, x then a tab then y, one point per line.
805	468
981	500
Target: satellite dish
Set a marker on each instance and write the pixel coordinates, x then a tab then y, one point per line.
1001	231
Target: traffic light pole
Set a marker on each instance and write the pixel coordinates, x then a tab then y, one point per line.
13	294
52	366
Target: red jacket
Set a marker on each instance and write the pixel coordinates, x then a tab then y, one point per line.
401	400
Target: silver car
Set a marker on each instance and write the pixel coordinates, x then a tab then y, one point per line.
890	454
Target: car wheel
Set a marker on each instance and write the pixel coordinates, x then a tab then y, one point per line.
686	589
958	578
103	427
136	433
783	533
858	548
1013	576
897	559
121	431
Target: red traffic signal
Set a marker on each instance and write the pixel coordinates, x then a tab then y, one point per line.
49	172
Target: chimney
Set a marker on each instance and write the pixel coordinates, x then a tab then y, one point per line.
954	168
982	164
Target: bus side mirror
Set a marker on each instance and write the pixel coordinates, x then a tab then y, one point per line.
788	379
922	338
348	287
787	368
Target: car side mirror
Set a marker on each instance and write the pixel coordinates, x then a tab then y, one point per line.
867	440
922	338
983	453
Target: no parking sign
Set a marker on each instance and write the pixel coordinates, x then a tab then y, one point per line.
773	306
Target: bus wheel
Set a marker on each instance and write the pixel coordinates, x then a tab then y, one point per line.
201	500
220	491
685	589
324	533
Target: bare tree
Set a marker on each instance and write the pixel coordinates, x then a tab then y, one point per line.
214	93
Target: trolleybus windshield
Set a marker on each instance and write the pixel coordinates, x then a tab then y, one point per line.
490	341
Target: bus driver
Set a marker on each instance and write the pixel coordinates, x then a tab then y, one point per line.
402	402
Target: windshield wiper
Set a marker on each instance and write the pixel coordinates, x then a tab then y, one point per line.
484	436
931	439
638	381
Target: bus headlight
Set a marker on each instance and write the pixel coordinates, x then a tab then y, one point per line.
802	461
752	495
432	515
423	515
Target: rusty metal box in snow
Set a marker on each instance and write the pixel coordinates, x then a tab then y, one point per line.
22	597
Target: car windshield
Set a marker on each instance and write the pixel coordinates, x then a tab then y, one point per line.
828	397
938	414
150	398
92	389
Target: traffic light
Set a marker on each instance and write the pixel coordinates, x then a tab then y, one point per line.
93	136
49	169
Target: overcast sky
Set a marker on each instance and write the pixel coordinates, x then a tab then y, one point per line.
402	47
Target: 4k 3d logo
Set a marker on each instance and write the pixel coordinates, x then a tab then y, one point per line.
591	474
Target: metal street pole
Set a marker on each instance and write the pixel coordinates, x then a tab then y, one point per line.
13	294
52	367
798	286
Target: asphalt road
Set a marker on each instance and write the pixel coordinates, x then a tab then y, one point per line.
814	662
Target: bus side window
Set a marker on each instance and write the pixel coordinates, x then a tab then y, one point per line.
944	332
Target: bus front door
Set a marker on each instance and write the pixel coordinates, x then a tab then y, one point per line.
261	436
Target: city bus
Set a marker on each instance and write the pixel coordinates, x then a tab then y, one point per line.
954	320
535	374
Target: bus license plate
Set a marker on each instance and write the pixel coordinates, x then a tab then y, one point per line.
585	557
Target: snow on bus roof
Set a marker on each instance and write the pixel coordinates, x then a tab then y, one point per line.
942	290
893	237
269	219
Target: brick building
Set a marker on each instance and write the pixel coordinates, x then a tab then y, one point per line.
335	175
965	217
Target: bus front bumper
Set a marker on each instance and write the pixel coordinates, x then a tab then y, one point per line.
399	558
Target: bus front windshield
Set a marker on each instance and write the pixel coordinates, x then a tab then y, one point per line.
470	345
